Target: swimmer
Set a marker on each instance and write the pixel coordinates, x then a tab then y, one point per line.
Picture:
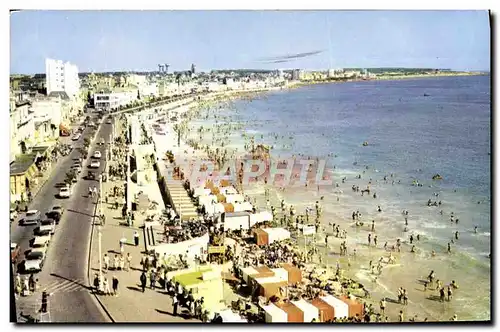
475	229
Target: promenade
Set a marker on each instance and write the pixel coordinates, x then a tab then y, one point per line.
130	304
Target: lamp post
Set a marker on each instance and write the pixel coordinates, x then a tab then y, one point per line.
100	257
99	209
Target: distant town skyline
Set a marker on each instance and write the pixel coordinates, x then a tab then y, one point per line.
105	41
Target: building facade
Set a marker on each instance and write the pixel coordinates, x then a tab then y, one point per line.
62	76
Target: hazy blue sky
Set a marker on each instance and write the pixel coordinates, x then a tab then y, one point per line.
139	40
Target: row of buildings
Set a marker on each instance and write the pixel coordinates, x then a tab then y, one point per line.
39	113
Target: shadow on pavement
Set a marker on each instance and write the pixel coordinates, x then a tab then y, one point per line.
78	212
135	288
71	280
181	314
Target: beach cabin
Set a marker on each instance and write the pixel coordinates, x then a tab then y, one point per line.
310	312
274	314
294	313
293	272
355	307
260	217
340	308
234	198
236	220
325	311
228	316
206	283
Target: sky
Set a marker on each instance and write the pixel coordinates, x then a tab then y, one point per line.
138	40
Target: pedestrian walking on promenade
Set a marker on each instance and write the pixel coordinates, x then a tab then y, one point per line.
115	285
123	240
175	303
144	280
128	261
96	283
122	262
152	279
136	238
107	291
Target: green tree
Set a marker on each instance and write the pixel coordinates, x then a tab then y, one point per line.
70	176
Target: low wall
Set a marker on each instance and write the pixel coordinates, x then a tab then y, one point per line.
196	246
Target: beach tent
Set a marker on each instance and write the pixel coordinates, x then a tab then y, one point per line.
246	272
228	190
201	192
294	313
228	316
276	234
234	198
310	311
294	273
274	314
340	308
325	311
243	206
355	307
281	273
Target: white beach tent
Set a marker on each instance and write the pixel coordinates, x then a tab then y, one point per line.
310	311
201	192
207	200
228	316
276	234
275	314
228	190
281	273
246	272
341	309
259	217
234	198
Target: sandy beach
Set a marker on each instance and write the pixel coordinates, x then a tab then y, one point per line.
409	270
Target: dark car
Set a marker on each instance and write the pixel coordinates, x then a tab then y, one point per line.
55	215
43	232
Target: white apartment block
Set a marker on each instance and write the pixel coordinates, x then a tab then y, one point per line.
62	76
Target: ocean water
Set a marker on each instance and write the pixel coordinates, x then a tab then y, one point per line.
411	136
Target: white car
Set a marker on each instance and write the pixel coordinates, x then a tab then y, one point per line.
95	164
47	225
76	137
97	154
32	217
65	192
34	261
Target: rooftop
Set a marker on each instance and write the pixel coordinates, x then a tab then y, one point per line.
61	94
191	278
22	163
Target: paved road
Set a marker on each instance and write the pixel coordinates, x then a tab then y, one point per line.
65	270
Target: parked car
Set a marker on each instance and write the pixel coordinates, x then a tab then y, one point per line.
108	121
14	251
76	137
97	154
65	192
34	261
54	215
47	225
77	168
95	164
32	217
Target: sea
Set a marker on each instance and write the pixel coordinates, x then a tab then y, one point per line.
413	129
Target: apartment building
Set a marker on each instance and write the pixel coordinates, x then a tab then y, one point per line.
108	99
62	76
